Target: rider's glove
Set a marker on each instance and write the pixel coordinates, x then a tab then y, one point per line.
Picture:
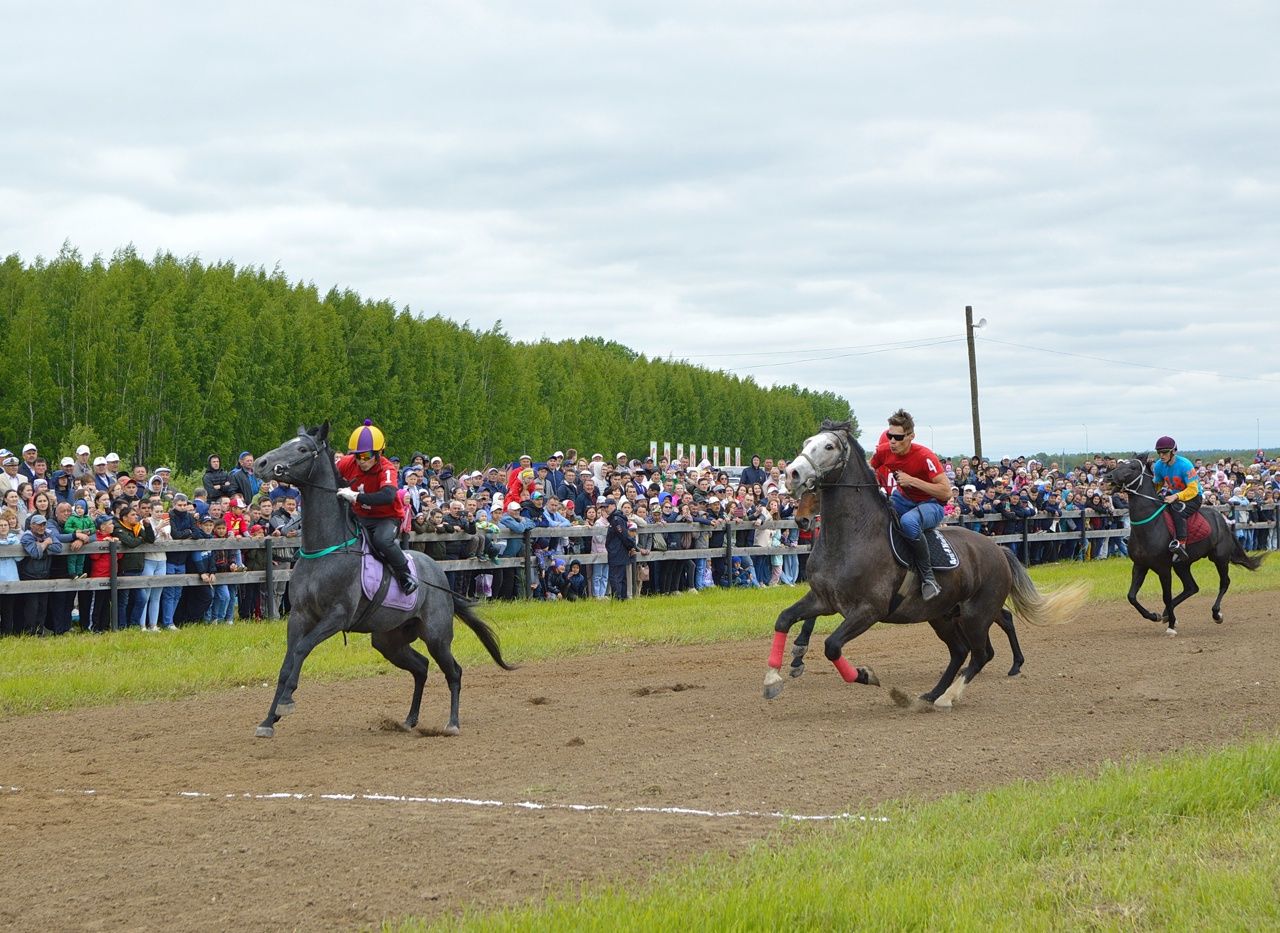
348	494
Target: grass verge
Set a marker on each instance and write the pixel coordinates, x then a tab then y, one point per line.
83	670
1189	843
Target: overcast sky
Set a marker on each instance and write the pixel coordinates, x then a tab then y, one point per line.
801	192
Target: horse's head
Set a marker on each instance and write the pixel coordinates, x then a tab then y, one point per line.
293	461
823	456
806	512
1127	474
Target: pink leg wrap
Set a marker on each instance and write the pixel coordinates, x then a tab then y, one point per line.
775	654
847	670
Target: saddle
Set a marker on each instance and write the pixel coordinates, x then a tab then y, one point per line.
1197	526
374	576
941	556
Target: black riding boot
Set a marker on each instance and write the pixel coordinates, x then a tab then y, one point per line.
924	567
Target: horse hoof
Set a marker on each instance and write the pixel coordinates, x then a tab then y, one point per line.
1217	617
1171	631
284	709
264	732
1015	670
773	683
797	670
1152	617
872	679
452	729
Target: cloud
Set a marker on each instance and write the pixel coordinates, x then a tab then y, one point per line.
722	183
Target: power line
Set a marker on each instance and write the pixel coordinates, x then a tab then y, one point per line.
866	346
1103	359
932	342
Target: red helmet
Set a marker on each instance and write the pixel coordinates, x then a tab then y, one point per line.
1166	443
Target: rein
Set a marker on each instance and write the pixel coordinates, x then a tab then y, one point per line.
311	555
1131	488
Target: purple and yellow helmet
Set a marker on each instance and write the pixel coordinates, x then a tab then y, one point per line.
366	439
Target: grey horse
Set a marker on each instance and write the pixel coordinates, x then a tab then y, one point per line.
325	594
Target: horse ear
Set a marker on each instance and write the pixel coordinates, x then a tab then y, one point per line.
1144	456
322	434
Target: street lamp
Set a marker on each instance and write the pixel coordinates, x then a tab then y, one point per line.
1086	439
969	328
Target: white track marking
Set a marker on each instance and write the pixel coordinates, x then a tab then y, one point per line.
525	805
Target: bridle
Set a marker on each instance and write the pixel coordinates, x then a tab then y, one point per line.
843	461
308	457
1131	487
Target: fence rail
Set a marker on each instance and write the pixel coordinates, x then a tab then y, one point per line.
285	550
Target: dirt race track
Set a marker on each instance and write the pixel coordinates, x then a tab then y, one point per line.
657	727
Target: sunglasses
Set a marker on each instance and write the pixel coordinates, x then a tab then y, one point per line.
1163	451
364	456
894	437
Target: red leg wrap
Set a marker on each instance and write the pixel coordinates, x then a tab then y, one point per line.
847	670
775	654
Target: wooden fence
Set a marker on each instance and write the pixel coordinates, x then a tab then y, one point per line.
280	553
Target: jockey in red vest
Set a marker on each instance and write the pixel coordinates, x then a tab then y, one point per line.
920	488
371	492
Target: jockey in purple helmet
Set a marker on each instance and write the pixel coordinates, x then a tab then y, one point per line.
1176	479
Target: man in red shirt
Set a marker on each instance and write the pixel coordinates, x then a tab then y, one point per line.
919	489
373	483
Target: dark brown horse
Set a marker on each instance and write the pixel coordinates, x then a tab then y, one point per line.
806	515
1149	545
852	572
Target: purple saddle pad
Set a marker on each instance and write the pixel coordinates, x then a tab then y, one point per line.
371	571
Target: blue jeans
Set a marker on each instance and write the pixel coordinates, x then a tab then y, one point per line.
222	609
916	517
146	604
170	595
599	579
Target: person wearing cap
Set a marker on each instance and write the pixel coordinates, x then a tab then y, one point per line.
216	481
509	579
28	465
920	487
372	494
102	480
555	473
1177	482
246	483
620	547
113	466
10	478
96	617
40	545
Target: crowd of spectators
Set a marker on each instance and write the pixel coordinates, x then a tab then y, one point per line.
626	503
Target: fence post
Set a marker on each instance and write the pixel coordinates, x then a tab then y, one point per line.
270	596
527	554
729	535
112	548
1084	535
1026	554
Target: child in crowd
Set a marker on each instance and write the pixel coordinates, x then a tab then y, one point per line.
98	619
79	521
576	582
222	608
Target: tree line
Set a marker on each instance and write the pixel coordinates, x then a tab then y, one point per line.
171	359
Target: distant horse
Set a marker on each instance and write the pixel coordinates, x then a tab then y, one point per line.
326	596
852	572
1149	545
807	510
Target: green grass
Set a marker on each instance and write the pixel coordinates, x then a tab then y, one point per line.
1190	843
82	670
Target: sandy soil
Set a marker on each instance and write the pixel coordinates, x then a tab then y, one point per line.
658	727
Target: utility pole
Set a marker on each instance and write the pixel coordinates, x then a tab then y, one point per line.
969	328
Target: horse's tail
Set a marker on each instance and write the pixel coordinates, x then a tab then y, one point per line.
488	637
1241	559
1040	609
